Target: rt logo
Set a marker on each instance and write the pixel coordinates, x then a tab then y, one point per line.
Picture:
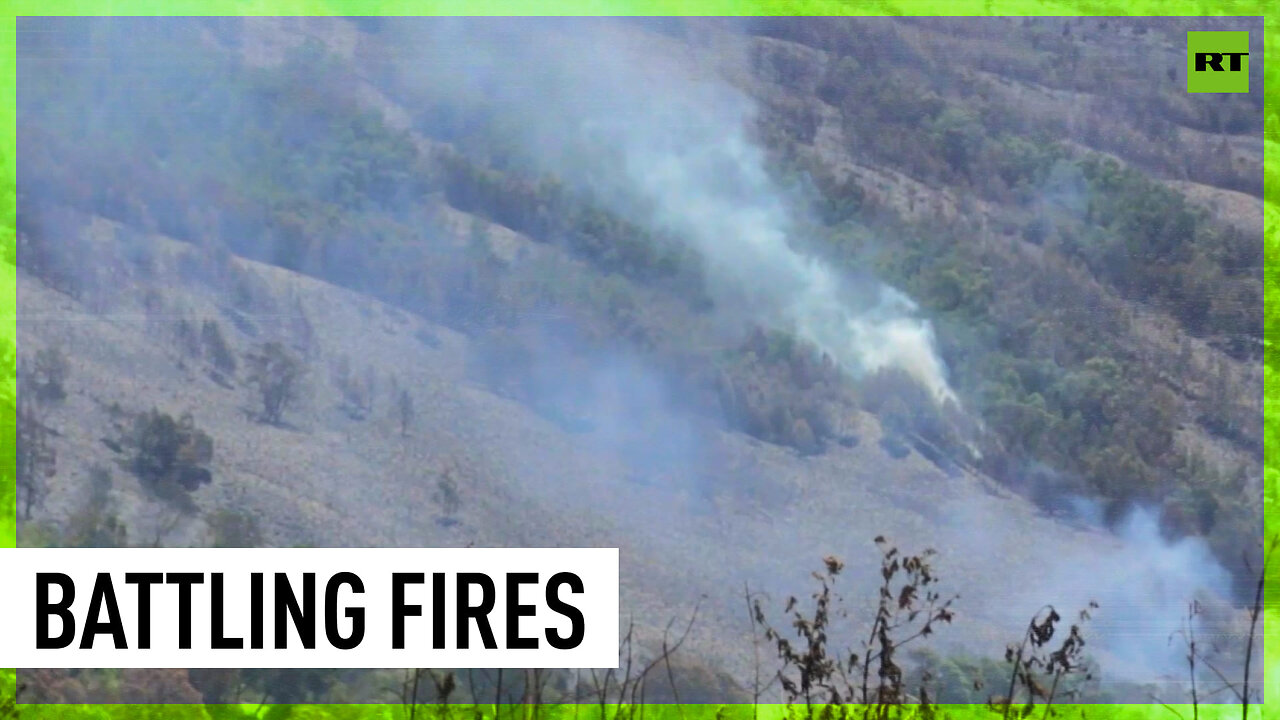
1218	62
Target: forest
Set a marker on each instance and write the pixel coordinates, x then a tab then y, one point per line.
1100	323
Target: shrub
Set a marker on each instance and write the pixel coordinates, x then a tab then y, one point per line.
36	460
1036	663
817	671
447	497
234	528
170	455
188	341
96	523
49	374
405	412
216	349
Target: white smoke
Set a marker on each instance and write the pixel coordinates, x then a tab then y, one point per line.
721	199
1143	592
664	139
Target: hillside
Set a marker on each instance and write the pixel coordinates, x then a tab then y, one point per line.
846	279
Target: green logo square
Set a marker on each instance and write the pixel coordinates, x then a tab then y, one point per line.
1218	62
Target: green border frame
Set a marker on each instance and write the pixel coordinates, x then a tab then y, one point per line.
8	287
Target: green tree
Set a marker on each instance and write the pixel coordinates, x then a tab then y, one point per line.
959	137
277	374
36	458
171	454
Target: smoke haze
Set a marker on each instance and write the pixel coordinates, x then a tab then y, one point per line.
672	150
650	129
